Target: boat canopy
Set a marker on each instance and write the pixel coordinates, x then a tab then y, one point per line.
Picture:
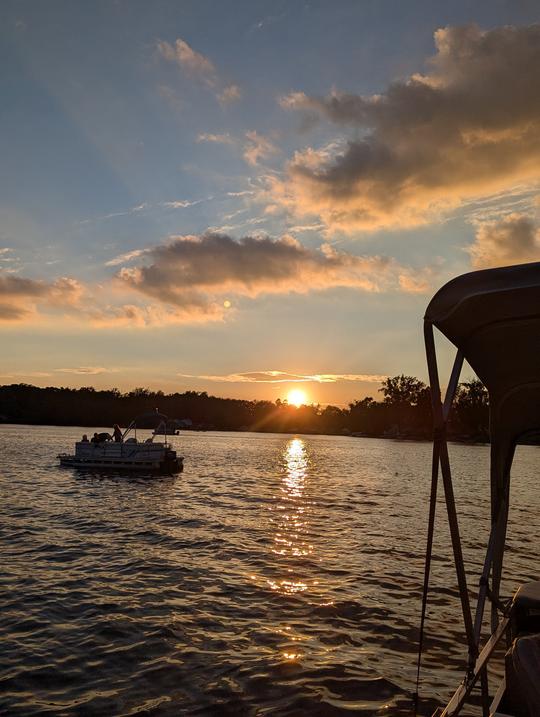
493	319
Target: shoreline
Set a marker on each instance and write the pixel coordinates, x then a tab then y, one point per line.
397	438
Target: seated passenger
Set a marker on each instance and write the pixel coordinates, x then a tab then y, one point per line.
84	439
95	438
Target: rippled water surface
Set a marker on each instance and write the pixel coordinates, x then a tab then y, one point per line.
278	575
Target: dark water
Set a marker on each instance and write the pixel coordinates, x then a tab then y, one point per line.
278	575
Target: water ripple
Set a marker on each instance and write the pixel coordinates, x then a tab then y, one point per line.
277	576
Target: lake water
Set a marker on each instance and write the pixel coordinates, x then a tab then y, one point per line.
278	575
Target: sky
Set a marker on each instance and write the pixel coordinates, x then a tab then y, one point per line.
249	197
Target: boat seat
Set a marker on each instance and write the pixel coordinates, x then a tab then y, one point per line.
526	662
526	609
528	596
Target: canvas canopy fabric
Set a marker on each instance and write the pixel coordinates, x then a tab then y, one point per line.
493	317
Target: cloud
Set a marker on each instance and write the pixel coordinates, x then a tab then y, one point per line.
243	193
200	67
284	377
515	239
192	62
192	279
113	215
258	147
216	138
19	297
154	314
85	370
124	258
103	306
15	286
231	93
299	228
468	128
194	272
254	147
12	312
26	374
183	203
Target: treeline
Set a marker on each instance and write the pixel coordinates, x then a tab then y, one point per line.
403	410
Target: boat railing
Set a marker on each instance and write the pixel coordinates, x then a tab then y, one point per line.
160	427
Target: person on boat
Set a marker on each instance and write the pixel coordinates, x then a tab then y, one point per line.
117	433
84	439
101	437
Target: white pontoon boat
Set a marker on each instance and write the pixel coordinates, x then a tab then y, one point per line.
493	319
129	454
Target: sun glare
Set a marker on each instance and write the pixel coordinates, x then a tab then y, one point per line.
297	397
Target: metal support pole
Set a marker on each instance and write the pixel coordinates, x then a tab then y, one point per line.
483	587
440	436
452	385
498	552
502	455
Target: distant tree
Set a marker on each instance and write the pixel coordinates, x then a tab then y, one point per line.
470	415
406	407
139	392
402	390
405	399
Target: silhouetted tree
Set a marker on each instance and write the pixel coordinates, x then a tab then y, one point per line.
405	410
470	415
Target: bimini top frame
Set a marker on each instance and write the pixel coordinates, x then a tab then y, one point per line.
160	420
493	319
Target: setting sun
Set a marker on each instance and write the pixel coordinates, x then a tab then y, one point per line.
296	397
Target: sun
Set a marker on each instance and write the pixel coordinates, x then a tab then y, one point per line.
296	397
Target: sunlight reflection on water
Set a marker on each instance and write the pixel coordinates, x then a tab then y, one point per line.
292	513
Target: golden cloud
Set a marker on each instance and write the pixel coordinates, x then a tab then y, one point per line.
284	377
192	279
20	297
467	129
192	272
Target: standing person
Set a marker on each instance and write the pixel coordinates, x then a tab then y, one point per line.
117	433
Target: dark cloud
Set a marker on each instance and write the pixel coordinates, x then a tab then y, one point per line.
467	128
16	286
194	279
20	296
515	239
12	312
193	271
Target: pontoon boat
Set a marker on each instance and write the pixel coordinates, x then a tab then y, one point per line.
129	454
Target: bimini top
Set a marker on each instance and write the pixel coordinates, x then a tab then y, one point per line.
493	317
